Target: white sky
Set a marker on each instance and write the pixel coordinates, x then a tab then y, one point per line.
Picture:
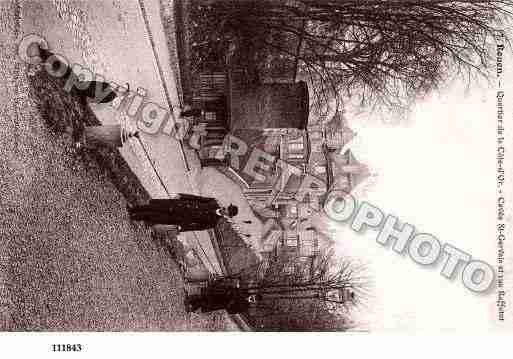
437	173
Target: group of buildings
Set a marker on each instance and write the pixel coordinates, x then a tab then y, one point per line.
274	117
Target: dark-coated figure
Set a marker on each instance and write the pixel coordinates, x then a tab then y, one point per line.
188	212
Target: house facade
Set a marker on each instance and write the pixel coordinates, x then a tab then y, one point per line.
273	118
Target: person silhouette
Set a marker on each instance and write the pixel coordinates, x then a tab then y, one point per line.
188	212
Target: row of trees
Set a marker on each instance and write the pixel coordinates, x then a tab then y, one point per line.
383	53
380	54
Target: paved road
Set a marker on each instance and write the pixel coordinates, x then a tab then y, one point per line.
70	259
112	38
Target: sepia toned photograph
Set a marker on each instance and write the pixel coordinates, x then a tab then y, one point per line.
255	166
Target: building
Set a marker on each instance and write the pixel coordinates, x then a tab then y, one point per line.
273	118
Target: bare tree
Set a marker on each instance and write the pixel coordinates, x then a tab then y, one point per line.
384	53
318	295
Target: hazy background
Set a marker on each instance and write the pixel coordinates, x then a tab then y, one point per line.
437	172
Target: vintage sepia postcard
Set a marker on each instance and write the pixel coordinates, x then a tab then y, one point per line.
256	166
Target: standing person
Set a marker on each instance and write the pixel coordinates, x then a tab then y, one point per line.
188	212
217	296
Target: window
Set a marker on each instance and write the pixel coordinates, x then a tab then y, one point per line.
291	242
316	135
307	250
316	147
320	169
295	155
296	146
210	116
